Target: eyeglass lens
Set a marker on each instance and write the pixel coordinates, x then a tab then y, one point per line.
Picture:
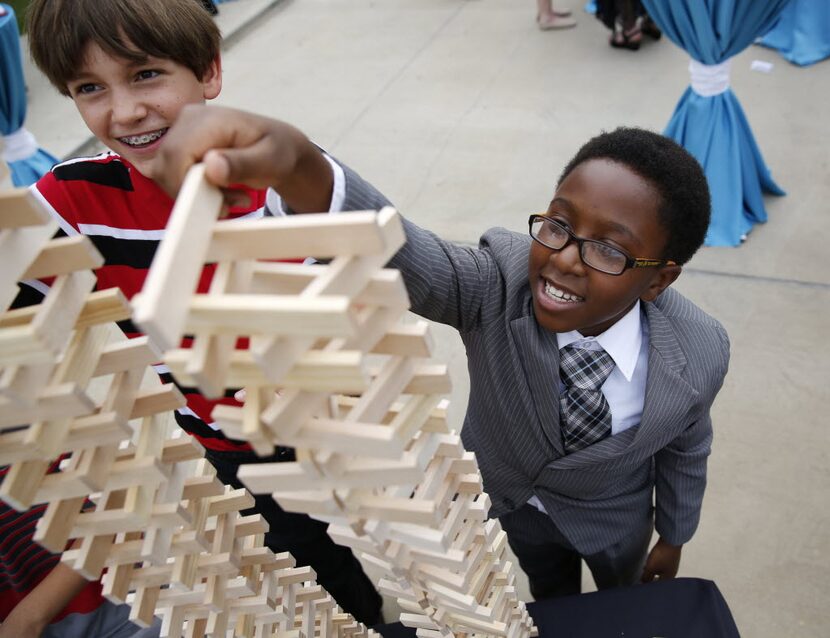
595	254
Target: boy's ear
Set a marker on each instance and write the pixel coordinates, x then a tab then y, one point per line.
212	79
663	278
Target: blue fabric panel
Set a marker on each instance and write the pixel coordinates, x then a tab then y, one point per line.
802	32
715	129
13	102
12	85
711	31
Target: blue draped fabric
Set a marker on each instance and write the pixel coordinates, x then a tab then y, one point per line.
26	161
714	128
802	32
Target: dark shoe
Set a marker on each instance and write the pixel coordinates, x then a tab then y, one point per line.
626	39
651	29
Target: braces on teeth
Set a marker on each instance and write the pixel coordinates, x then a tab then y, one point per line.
142	139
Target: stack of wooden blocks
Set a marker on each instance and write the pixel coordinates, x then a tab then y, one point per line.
143	508
334	372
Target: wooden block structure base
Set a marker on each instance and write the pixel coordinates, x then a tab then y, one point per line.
141	507
336	372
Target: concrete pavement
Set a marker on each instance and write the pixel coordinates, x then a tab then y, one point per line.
464	113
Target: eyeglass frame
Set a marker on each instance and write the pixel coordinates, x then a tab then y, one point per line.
630	262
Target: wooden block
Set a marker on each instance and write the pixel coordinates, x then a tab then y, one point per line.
179	450
287	413
92	556
50	328
55	526
391	380
300	236
211	354
116	583
19	248
19	208
130	353
231	501
396	509
259	314
56	316
144	605
96	430
161	307
253	430
409	340
153	401
261	478
87	472
21	483
363	439
429	379
21	384
64	255
316	371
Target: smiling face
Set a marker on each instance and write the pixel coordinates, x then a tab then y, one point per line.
606	201
129	106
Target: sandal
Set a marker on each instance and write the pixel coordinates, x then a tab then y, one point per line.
630	39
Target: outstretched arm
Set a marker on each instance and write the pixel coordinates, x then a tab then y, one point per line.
242	148
32	614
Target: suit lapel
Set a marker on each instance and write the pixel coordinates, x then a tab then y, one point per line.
540	359
668	395
667	400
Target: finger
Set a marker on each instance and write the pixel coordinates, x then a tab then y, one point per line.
253	165
240	395
648	575
217	169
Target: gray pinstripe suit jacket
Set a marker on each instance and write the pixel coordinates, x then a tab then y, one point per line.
602	493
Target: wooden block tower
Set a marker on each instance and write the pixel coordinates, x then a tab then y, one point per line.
334	371
133	495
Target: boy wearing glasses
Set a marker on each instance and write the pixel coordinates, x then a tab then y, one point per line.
591	381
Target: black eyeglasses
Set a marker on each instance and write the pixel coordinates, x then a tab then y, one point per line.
596	254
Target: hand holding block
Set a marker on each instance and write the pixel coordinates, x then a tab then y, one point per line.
162	306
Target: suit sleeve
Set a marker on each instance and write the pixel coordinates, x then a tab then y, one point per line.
680	467
446	282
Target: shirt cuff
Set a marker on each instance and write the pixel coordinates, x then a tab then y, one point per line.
276	207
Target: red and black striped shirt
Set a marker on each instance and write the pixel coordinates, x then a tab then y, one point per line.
24	563
125	213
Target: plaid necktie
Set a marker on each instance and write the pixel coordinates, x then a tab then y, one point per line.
583	410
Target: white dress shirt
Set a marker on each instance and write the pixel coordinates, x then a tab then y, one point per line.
275	206
625	388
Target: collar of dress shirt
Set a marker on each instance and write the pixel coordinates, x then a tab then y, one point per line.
622	341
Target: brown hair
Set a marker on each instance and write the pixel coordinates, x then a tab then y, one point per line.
178	30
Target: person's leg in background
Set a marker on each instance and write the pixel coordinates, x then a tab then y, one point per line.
548	17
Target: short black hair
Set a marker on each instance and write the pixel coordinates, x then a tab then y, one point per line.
678	178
